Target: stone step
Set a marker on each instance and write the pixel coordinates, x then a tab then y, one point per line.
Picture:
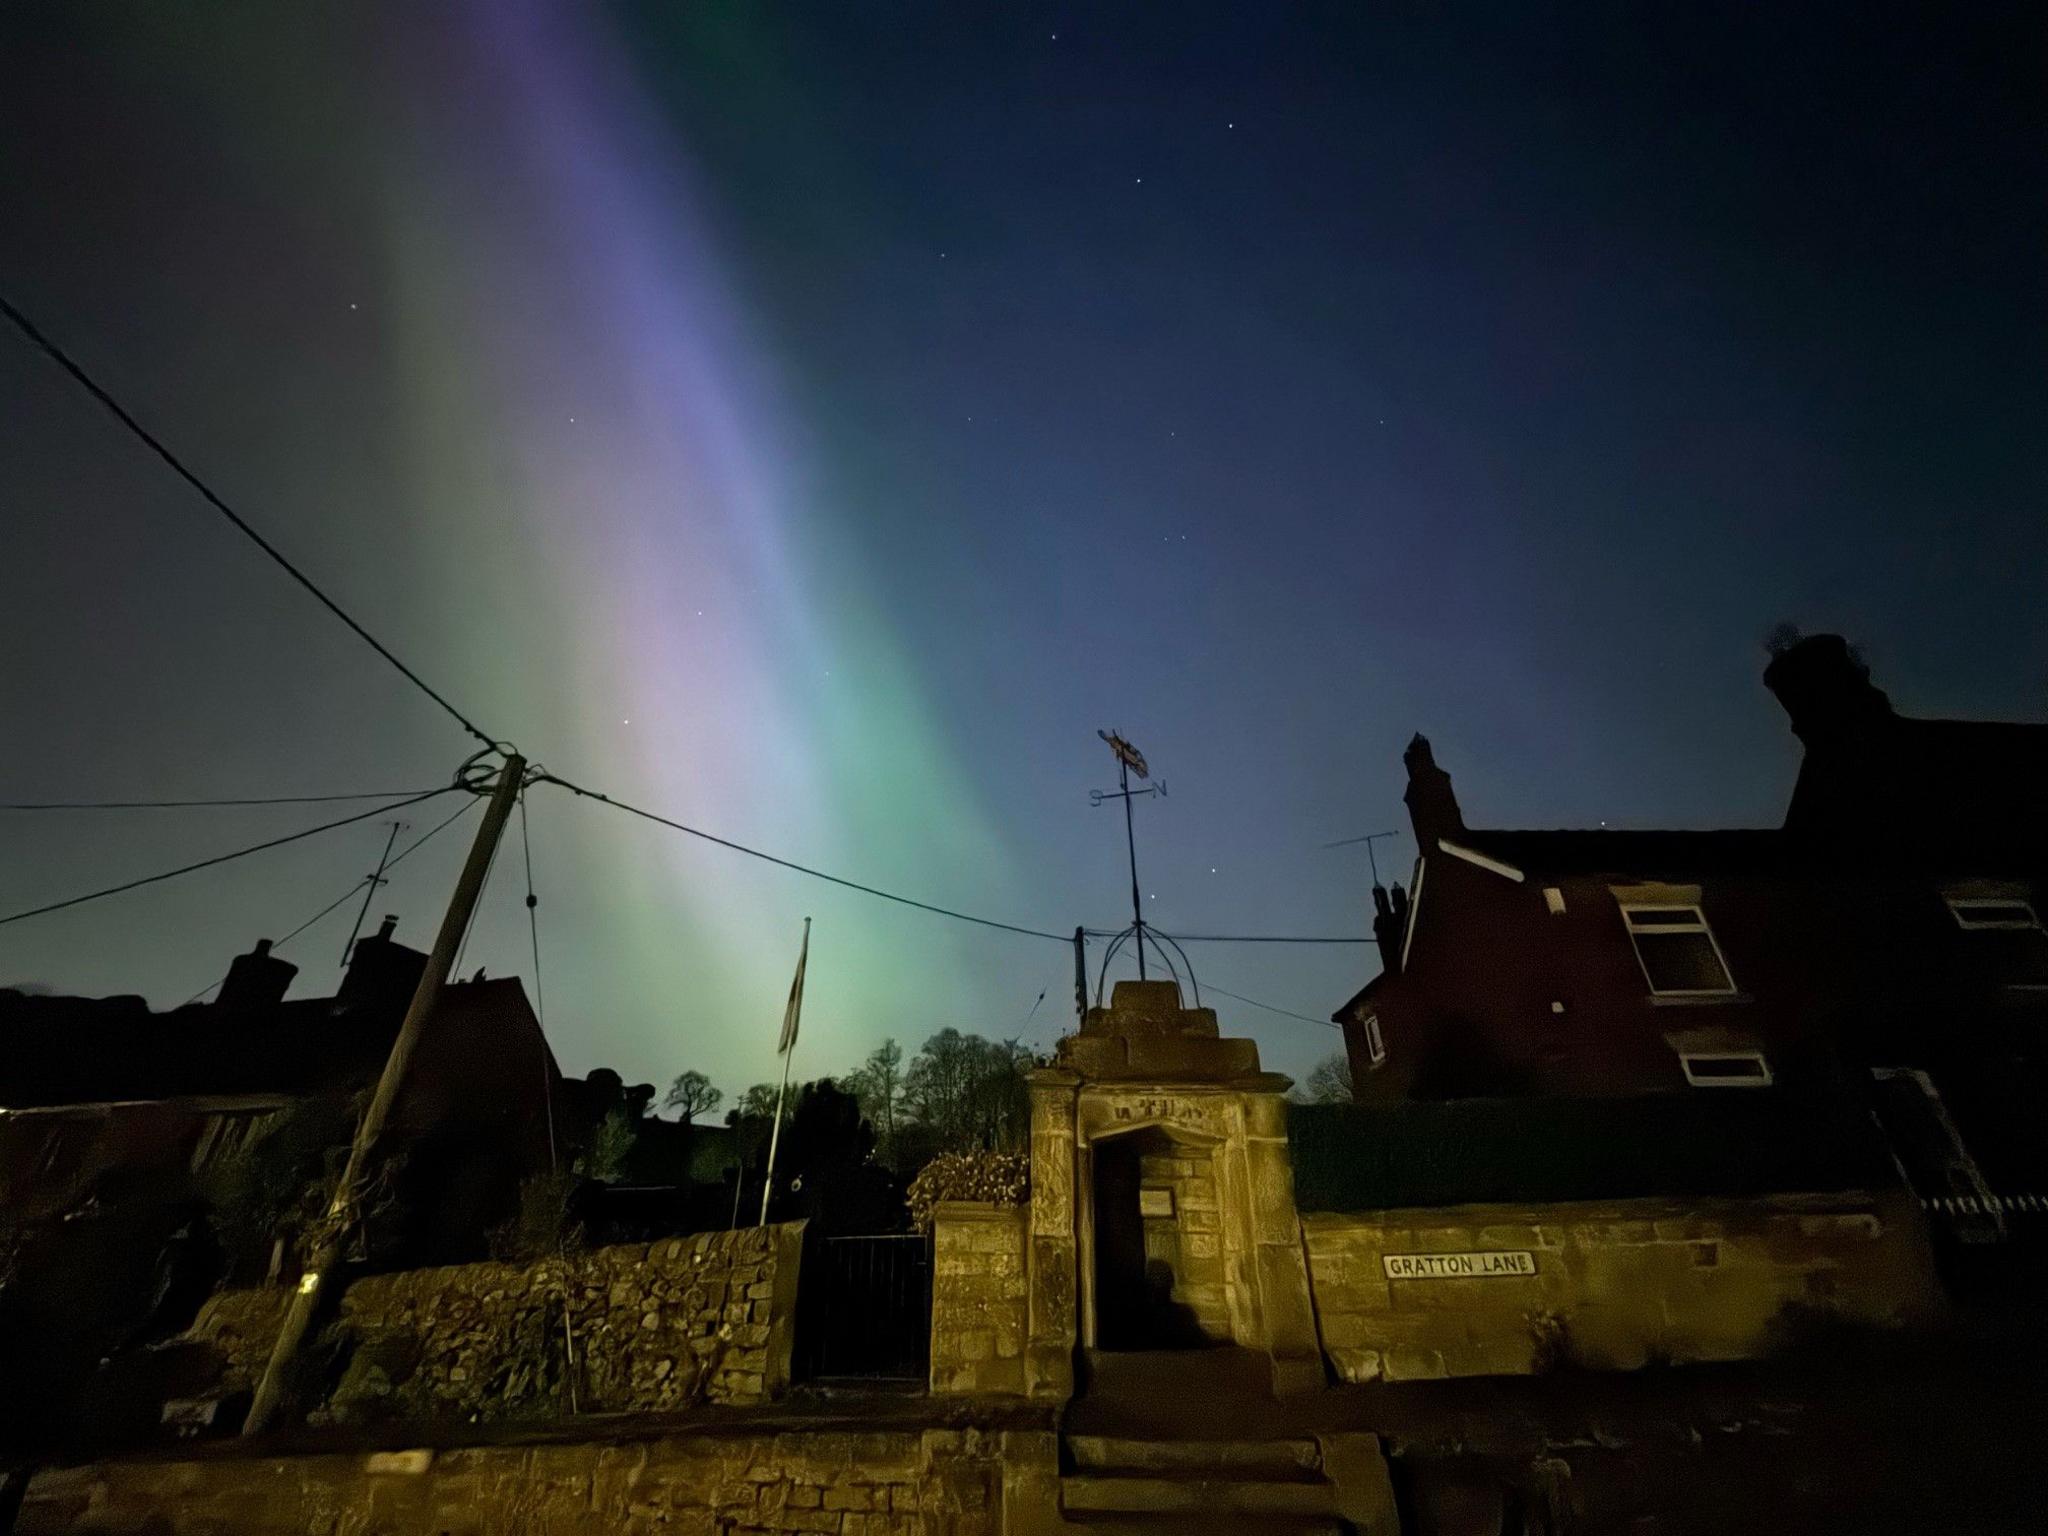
1208	1525
1293	1460
1091	1494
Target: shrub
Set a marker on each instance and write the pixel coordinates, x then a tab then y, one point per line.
1003	1177
543	1226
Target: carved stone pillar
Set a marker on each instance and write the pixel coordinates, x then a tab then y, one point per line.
1050	1261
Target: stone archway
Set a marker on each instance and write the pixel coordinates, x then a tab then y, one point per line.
1158	1271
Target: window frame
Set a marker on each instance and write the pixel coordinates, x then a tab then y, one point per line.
1687	1058
1375	1041
1701	925
1956	905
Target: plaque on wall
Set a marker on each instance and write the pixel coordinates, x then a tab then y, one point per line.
1154	1200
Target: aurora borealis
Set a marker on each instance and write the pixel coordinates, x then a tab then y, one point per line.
815	422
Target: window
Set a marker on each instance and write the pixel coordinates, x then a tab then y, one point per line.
1677	951
1726	1069
1982	912
2005	932
1375	1044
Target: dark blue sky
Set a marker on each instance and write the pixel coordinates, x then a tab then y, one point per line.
1271	382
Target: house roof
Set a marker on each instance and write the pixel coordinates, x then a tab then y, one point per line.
72	1050
1634	854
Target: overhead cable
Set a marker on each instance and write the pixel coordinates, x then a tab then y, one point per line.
57	354
168	805
389	865
1283	1012
802	869
223	858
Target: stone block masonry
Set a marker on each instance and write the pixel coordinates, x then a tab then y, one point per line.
1513	1290
707	1318
906	1481
980	1312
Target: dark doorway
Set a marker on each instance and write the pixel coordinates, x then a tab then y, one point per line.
864	1308
1137	1258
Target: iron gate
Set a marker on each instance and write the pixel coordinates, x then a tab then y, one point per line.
864	1307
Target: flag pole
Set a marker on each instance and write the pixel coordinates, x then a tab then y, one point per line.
789	1029
775	1136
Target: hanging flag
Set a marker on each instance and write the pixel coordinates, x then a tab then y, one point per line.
796	996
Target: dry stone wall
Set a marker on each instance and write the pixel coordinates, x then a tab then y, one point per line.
706	1318
1510	1290
979	1294
900	1482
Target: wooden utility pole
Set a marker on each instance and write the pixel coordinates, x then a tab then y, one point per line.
341	1210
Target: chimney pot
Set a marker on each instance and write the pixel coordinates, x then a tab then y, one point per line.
256	980
1390	917
389	926
1825	689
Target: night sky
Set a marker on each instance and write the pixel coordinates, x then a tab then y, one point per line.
813	421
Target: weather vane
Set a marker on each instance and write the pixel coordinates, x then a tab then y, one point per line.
1129	760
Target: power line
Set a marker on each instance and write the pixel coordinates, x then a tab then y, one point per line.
1288	1013
816	874
389	865
57	355
280	944
166	805
223	858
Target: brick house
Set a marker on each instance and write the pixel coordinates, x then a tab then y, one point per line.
1884	945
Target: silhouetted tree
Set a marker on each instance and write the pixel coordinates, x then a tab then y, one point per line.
964	1092
878	1084
1328	1082
693	1094
825	1170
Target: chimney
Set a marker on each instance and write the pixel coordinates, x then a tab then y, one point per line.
1826	689
256	980
1432	804
381	971
1389	921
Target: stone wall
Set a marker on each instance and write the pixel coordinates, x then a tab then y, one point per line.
978	1297
894	1482
703	1318
1615	1285
1188	1238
